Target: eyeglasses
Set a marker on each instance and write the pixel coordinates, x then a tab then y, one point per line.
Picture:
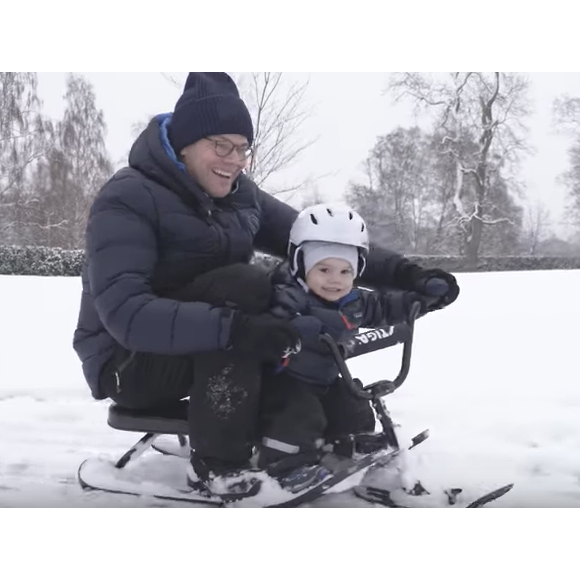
224	148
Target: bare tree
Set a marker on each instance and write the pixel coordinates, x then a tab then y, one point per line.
278	111
571	179
566	114
24	139
74	170
399	202
483	108
536	226
566	118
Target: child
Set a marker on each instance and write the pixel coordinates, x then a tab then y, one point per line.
305	402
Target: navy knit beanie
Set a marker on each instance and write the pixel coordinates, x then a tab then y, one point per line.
210	105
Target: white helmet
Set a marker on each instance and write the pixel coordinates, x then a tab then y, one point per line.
327	222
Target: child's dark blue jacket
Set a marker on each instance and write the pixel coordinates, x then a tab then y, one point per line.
314	316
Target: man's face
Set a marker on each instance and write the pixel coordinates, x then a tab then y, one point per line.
216	162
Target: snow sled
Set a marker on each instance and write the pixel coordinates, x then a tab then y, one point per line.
162	475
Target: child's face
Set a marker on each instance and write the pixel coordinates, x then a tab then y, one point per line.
331	279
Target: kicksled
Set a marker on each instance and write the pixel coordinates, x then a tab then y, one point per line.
154	468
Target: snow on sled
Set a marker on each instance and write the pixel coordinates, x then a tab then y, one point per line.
162	475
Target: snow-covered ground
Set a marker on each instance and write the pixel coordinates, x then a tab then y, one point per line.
494	378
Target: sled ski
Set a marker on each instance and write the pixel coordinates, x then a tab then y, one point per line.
103	476
492	496
383	498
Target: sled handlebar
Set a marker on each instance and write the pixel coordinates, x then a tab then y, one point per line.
372	341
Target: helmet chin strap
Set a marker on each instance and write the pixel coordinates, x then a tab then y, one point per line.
297	267
294	254
303	284
362	264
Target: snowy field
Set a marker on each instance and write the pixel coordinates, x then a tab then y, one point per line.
494	378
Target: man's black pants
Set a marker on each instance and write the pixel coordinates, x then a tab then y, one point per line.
223	387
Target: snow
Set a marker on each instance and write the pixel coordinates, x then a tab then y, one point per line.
494	378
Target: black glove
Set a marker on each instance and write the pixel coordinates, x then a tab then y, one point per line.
397	306
265	337
438	286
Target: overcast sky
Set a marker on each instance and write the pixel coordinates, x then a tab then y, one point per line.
348	112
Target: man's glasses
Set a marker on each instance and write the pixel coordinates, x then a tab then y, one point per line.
224	148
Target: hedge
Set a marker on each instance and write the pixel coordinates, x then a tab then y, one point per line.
42	261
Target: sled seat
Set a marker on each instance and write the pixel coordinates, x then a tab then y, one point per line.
167	420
